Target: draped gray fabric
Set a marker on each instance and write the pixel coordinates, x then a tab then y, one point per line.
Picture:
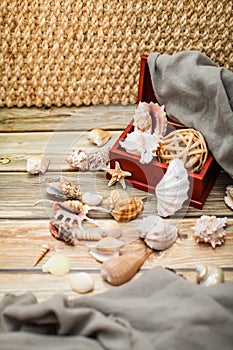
160	310
198	94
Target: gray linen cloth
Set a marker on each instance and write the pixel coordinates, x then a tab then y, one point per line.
159	310
198	94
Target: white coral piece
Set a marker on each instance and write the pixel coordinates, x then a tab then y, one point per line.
209	229
141	144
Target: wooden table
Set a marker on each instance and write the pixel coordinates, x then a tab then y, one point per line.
25	226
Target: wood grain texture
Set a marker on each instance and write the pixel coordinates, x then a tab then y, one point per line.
24	225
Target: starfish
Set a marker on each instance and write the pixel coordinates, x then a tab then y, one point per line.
117	175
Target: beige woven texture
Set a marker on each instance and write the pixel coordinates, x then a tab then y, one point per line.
88	52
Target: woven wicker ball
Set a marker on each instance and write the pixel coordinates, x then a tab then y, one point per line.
186	144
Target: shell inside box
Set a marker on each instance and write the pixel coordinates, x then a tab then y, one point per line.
145	177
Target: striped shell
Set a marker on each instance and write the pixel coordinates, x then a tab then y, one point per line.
129	211
61	231
117	198
121	269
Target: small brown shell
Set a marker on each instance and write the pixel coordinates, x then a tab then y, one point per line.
128	211
120	269
61	231
44	250
99	137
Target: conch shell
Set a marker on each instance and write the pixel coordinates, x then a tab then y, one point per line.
121	269
209	275
61	231
157	233
229	196
209	229
172	190
99	137
63	190
148	114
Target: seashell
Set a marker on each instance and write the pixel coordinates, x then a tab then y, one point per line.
107	243
229	196
128	212
99	137
63	190
81	282
117	198
88	236
91	198
111	228
44	250
172	190
61	231
78	159
57	265
157	233
209	229
141	144
102	256
98	160
209	274
37	165
146	115
121	269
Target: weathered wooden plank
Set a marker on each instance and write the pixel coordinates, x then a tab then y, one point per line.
20	242
43	286
18	147
65	118
20	191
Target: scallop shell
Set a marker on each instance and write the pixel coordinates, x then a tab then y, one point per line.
91	198
57	265
209	275
45	248
229	196
81	282
128	212
157	232
209	229
121	269
111	228
99	137
172	190
37	165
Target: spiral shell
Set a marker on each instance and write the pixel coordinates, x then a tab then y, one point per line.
63	190
45	248
128	212
209	229
61	231
229	196
117	198
209	274
121	269
157	233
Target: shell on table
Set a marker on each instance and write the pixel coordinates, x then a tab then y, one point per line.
37	164
148	116
157	233
61	231
105	248
172	190
110	228
63	190
209	274
45	248
99	137
117	198
78	159
229	196
81	282
57	265
141	144
91	198
210	229
129	211
92	161
121	269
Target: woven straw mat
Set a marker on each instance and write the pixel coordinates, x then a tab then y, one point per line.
88	52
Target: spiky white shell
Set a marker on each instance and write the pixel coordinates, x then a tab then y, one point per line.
157	232
209	229
37	165
172	190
